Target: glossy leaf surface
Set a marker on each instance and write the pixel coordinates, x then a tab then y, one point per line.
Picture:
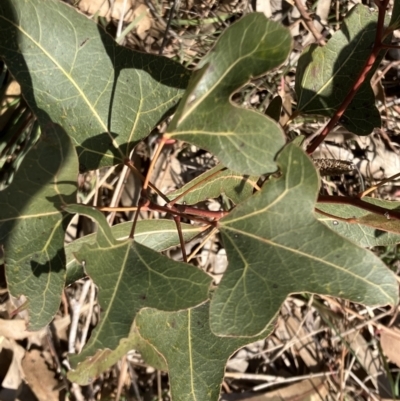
105	96
243	140
325	74
195	357
131	276
32	224
276	247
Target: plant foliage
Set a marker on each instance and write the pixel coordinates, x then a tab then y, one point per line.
95	100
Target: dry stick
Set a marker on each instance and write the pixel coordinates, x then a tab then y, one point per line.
123	371
371	189
206	238
118	192
310	23
85	329
76	311
360	80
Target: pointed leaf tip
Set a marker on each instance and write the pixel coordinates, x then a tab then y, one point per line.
244	140
272	254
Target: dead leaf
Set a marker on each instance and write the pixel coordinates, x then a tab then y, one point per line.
40	377
144	20
390	343
14	329
11	355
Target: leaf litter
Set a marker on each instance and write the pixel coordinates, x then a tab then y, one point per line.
320	348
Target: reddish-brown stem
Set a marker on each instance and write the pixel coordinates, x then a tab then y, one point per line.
357	202
143	196
382	5
177	220
142	202
387	46
188	212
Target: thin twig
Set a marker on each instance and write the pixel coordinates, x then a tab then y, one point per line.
167	28
382	5
309	22
177	220
359	203
85	329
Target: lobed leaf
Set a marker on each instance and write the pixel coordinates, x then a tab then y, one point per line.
325	75
91	368
196	358
244	140
155	234
32	223
131	276
106	97
276	247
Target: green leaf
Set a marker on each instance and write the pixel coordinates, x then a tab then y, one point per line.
93	367
196	358
106	97
235	186
369	229
276	247
155	234
32	224
325	75
244	140
131	276
395	19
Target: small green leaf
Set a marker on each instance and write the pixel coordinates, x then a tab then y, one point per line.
155	234
325	75
369	229
236	187
244	140
32	224
276	247
196	358
107	97
131	276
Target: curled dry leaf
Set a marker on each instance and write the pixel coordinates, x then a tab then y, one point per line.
390	343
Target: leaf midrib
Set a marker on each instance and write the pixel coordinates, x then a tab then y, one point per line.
303	254
68	76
